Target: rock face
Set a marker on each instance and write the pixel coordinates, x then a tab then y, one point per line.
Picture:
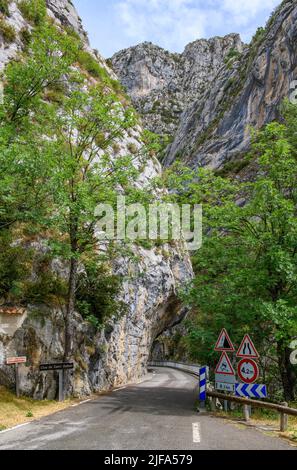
162	85
64	12
249	94
217	109
119	353
114	356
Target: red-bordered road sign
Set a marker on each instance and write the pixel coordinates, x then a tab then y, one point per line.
224	342
16	360
247	349
248	370
224	366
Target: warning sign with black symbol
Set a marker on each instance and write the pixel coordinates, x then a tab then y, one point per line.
224	366
224	342
247	349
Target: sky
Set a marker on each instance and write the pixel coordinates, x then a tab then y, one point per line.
117	24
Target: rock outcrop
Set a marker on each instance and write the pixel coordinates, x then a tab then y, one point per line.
213	116
119	353
247	95
162	84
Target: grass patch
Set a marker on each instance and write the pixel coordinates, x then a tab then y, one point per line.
91	65
25	36
14	411
262	417
33	11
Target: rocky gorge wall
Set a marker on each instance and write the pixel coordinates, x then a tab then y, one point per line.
119	352
162	84
208	98
226	87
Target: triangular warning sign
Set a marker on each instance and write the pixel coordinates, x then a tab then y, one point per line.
247	348
224	366
224	342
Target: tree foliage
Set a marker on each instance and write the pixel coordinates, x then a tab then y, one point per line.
246	270
57	165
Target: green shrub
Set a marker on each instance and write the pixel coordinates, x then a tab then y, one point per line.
25	36
16	283
234	167
133	149
15	267
116	148
33	10
233	54
109	63
4	7
71	32
46	287
54	96
7	31
97	294
89	63
258	36
116	85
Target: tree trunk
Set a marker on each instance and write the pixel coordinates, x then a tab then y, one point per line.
70	308
287	372
72	284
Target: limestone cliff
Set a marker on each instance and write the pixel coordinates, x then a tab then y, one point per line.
220	88
118	353
248	94
162	84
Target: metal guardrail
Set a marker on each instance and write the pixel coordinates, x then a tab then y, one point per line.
194	369
189	368
258	404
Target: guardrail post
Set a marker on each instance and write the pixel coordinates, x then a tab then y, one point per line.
212	402
246	413
284	419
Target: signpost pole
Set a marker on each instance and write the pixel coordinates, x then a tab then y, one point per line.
61	386
17	381
60	367
16	360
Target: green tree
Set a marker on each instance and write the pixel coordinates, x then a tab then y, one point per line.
83	174
246	271
21	158
56	156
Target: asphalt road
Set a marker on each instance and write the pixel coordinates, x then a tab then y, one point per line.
157	414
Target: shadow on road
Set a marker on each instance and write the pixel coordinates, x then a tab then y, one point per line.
161	401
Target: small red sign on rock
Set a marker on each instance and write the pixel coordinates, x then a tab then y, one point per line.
16	360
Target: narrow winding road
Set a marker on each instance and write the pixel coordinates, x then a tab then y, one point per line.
157	414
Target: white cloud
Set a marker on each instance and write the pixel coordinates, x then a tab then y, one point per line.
174	23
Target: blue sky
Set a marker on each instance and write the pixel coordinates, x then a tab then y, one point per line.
116	24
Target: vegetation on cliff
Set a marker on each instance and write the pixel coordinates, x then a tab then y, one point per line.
246	270
57	130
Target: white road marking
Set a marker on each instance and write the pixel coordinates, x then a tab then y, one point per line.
80	403
196	433
15	427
